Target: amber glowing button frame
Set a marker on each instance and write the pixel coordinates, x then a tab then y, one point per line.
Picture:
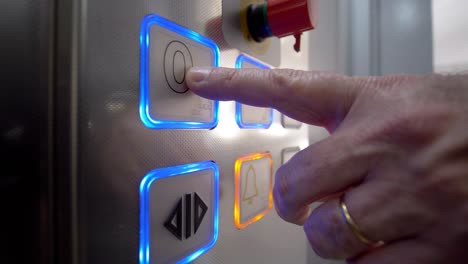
237	175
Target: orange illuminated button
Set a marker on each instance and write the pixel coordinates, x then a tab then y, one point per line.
253	188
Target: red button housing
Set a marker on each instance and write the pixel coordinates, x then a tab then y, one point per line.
291	17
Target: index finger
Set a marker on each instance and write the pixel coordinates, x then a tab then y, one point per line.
318	98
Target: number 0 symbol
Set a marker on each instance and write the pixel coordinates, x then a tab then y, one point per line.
177	60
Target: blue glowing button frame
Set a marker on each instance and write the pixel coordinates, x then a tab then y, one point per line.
175	171
145	115
239	63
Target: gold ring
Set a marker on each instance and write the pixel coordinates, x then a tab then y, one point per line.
354	228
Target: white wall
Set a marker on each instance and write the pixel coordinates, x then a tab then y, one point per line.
450	23
389	37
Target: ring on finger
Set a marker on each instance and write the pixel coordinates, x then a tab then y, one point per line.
354	227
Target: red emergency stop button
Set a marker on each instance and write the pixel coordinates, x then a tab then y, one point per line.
291	17
281	18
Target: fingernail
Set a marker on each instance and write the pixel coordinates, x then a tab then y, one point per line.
198	74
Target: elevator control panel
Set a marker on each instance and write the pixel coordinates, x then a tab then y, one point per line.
179	205
168	50
250	116
163	175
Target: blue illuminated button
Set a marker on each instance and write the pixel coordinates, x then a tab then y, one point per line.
249	116
168	50
179	213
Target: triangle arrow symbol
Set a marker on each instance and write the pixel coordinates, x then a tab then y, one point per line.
175	217
200	209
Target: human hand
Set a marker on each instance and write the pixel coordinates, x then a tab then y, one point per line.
397	150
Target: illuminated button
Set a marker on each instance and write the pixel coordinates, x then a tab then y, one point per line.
288	122
253	188
249	116
288	153
168	50
179	213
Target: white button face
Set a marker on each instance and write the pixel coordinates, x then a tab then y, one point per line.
168	51
255	115
181	212
250	116
288	153
253	188
289	122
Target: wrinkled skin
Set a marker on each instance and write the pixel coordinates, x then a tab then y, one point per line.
397	151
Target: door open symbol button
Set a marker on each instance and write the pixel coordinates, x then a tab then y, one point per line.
179	213
175	223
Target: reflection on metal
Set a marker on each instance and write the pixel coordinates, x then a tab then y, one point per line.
227	127
275	130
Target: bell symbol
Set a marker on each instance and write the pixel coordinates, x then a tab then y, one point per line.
250	185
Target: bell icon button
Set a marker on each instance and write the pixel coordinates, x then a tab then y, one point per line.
253	188
250	190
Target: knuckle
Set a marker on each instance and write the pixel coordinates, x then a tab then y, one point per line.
230	76
329	236
279	206
286	203
281	183
284	186
420	167
281	78
316	238
317	249
281	188
286	82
